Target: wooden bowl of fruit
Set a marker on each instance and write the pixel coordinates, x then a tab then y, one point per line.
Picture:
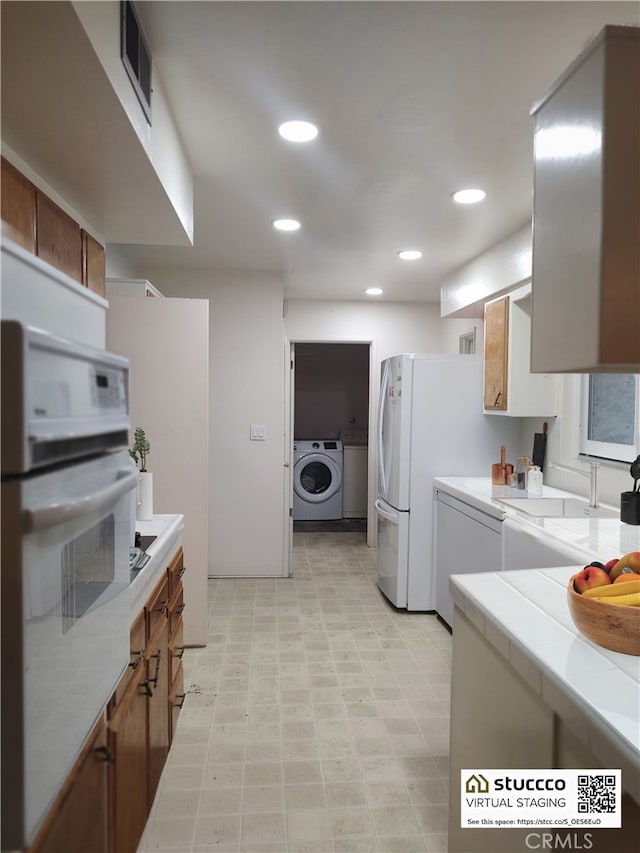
604	601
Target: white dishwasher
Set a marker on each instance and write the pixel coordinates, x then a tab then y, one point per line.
466	540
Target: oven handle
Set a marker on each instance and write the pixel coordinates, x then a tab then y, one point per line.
53	514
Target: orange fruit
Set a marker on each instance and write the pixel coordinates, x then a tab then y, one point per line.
627	576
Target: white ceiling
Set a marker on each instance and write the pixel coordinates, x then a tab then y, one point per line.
413	101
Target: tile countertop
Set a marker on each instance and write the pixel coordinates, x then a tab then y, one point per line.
168	530
604	538
596	692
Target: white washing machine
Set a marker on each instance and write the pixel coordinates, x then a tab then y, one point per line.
317	480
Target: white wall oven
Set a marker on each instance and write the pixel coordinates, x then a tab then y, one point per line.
67	483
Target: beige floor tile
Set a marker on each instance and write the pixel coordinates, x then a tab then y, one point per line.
307	825
220	801
263	798
306	796
169	834
216	830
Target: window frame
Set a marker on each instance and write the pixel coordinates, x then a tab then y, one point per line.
601	449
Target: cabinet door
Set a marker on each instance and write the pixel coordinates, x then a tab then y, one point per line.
18	206
158	679
93	264
58	239
77	821
176	700
496	337
128	784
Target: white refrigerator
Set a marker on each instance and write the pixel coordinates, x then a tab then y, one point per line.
430	424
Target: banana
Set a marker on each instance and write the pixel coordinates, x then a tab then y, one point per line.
614	589
631	600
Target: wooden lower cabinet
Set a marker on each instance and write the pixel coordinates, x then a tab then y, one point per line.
176	700
128	788
77	822
158	708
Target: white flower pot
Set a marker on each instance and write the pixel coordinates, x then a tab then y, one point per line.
144	507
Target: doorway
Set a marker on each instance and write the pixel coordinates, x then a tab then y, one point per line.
330	401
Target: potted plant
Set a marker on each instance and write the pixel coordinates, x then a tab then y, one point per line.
139	452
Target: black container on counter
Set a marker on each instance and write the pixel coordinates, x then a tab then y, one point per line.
630	507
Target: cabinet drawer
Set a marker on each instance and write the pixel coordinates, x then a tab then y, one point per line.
176	650
156	607
175	571
136	652
175	608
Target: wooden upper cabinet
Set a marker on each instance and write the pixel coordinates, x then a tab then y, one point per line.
59	241
93	264
496	338
18	206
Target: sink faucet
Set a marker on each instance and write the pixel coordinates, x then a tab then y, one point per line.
594	465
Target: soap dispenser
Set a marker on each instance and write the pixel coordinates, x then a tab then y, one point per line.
534	481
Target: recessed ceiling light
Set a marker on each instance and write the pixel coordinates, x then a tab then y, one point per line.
468	196
286	224
410	254
298	131
374	291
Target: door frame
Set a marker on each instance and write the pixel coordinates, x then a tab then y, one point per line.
288	420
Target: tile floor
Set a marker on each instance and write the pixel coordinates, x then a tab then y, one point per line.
316	719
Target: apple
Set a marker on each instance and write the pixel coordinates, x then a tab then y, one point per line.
631	561
611	563
589	577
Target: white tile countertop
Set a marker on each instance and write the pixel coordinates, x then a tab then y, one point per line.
604	538
596	692
168	532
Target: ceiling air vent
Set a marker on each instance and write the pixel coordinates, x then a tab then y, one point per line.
136	56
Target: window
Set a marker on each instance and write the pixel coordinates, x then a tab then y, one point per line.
609	416
467	343
136	56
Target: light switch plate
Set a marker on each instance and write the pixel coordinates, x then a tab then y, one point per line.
257	432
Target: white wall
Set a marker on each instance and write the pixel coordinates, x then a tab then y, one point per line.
246	494
167	342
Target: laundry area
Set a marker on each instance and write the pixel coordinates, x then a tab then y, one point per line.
330	447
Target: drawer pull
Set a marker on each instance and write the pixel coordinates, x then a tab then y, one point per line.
497	398
182	571
134	664
163	606
179	651
179	609
146	688
181	698
105	753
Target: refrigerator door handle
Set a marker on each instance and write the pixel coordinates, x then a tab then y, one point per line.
393	518
381	402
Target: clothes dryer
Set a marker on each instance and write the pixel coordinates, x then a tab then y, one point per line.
317	480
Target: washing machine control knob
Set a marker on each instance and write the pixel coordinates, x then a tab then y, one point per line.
315	445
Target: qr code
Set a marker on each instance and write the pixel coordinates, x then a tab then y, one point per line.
596	794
